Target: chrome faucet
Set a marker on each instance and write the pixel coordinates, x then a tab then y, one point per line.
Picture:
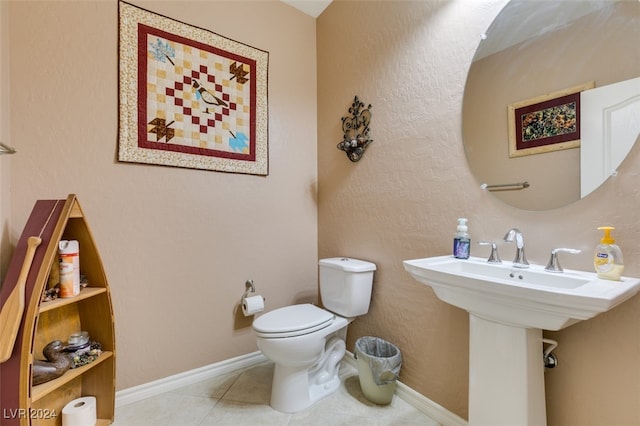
554	263
514	234
494	257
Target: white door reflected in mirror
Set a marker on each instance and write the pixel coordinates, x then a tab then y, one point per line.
610	126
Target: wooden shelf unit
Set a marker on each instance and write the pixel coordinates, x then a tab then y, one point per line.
84	294
40	391
44	322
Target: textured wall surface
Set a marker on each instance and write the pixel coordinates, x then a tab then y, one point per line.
178	244
409	60
5	248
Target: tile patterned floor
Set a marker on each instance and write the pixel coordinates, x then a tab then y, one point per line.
242	398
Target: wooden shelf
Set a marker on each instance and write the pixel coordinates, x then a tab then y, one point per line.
44	322
85	293
40	391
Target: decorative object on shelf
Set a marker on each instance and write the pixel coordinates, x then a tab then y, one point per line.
546	123
14	305
78	340
56	365
54	292
13	308
51	293
86	355
356	130
80	350
190	97
6	149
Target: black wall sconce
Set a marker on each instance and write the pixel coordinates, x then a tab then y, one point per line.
356	131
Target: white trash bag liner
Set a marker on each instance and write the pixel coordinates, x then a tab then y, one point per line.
384	358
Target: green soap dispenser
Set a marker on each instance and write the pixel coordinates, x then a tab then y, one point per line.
607	259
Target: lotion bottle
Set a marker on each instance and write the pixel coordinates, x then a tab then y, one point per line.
461	240
607	258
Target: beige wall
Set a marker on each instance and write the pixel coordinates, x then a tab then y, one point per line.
401	201
3	180
177	244
5	248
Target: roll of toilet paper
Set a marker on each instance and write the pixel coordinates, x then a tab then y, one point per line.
252	305
80	412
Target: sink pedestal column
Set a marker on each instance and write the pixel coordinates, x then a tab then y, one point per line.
506	375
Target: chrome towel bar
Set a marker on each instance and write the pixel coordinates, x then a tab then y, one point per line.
505	186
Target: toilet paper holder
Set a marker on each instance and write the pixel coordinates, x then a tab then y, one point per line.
250	288
251	302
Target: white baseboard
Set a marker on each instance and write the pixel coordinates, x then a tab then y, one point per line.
157	387
420	402
432	409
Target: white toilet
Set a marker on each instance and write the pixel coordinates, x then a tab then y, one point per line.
306	343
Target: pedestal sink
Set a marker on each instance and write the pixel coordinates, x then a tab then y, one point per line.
508	309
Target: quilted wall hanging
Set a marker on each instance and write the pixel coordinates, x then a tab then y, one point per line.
190	97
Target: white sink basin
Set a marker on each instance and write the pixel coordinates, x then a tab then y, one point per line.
508	308
530	298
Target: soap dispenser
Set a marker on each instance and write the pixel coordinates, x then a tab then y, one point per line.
607	259
461	240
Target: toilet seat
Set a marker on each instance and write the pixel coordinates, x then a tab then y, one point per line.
291	321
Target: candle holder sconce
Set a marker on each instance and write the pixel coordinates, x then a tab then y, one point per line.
356	131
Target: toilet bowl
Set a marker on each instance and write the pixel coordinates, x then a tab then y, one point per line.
306	359
307	343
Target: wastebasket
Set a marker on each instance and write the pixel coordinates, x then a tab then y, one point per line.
379	365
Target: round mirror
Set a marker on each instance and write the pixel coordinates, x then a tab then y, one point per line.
541	127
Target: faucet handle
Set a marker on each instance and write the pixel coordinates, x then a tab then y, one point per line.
493	257
554	263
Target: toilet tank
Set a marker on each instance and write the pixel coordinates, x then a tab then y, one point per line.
345	285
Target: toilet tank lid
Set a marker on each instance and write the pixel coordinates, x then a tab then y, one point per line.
348	264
